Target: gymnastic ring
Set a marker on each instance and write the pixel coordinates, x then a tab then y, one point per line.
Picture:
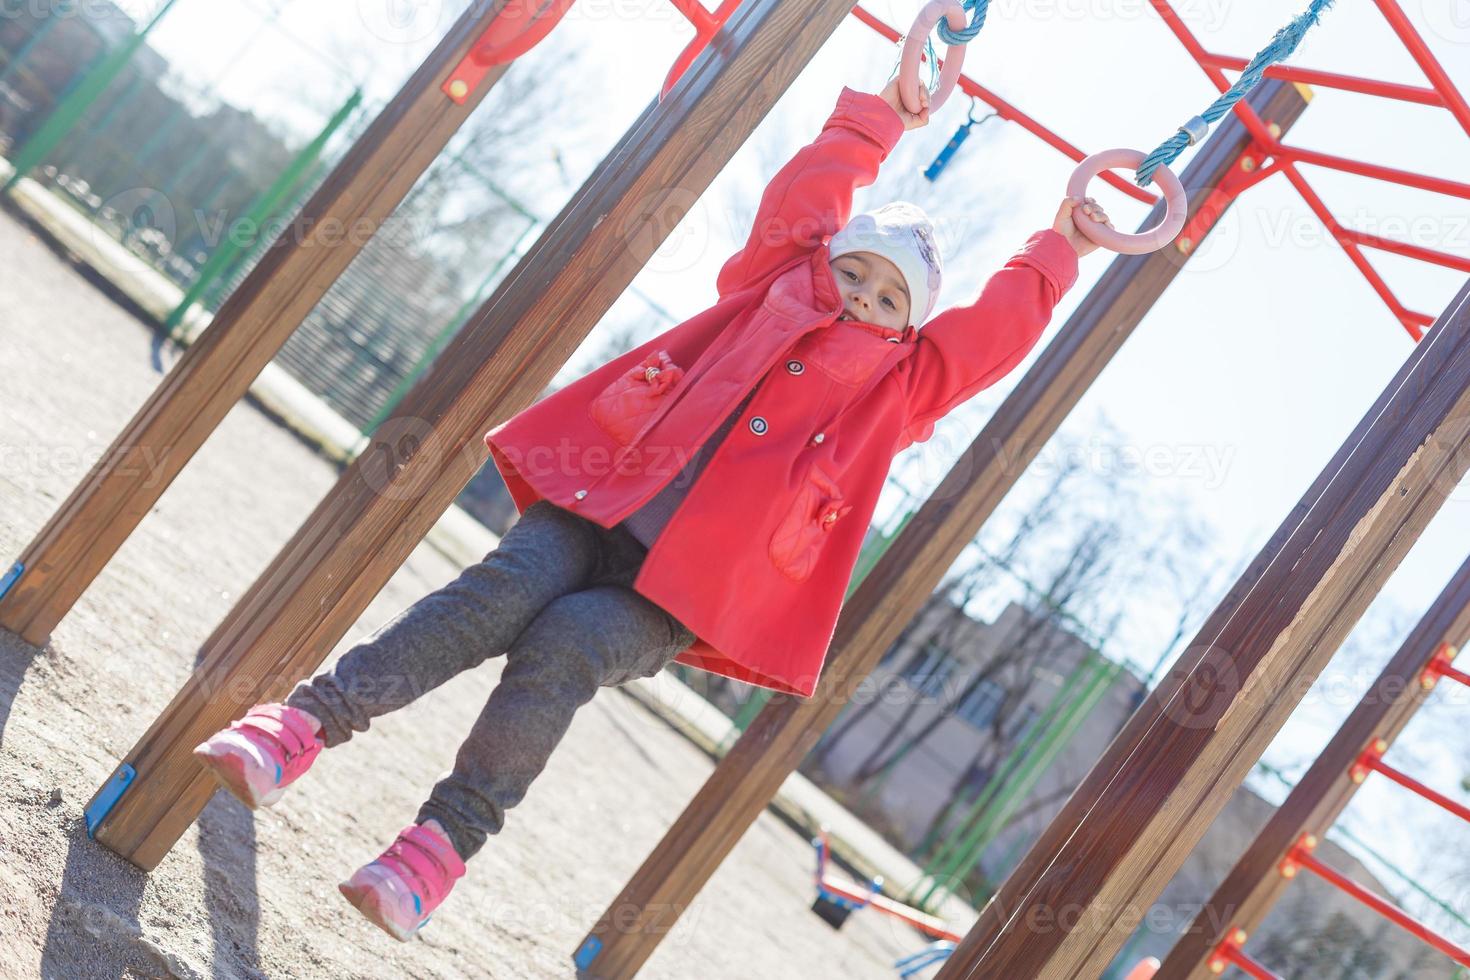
1155	238
913	49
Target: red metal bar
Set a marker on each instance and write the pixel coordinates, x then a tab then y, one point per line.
1327	79
1412	322
517	29
1229	953
1412	251
696	14
1408	178
1301	855
1442	93
706	25
1427	62
1440	666
1373	761
1455	675
1010	113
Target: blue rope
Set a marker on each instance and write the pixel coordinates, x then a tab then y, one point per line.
1281	47
965	35
978	9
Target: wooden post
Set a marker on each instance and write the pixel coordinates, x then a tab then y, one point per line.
1254	885
422	456
215	372
892	593
1082	888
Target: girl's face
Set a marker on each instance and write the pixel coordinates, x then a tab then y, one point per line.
872	289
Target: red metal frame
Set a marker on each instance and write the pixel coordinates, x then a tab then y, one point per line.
1371	760
1440	666
706	25
1301	856
504	41
1441	93
516	29
1230	953
1301	853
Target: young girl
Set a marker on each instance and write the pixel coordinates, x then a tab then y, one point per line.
700	499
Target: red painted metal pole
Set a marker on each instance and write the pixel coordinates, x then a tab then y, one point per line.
1328	79
706	25
1411	251
1010	113
1442	94
1440	665
1229	953
1427	62
1301	855
1455	675
1372	761
1413	322
1439	185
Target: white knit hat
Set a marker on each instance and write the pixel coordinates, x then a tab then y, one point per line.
902	233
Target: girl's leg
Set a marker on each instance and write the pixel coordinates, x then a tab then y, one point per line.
547	553
599	637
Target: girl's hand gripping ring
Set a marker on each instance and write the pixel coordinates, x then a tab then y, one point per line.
913	49
1155	238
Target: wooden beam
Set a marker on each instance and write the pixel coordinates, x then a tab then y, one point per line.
215	372
323	579
892	593
1077	894
1253	886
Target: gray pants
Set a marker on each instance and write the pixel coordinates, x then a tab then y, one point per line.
555	598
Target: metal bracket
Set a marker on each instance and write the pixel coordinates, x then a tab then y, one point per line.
587	953
108	796
1246	173
11	577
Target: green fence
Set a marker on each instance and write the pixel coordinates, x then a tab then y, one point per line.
199	188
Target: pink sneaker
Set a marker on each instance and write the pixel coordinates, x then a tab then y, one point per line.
401	889
257	757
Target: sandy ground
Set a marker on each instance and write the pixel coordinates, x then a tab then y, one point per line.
247	895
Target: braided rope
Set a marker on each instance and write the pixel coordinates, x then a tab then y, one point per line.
1281	47
965	35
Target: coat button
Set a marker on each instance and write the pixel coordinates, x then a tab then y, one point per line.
795	366
580	494
817	439
893	340
758	426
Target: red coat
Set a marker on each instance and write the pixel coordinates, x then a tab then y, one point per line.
758	556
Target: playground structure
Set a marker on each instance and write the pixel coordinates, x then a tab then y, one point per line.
1133	819
836	900
1284	846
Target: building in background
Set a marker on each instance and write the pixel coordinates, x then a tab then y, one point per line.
957	695
976	694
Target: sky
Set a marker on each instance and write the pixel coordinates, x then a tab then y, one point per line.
1241	382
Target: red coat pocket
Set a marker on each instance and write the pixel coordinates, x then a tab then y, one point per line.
798	539
625	405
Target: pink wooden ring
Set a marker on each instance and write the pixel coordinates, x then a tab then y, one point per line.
1176	201
913	47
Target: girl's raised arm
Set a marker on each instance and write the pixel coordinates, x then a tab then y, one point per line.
968	348
810	198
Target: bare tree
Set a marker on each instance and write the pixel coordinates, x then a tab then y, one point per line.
953	596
